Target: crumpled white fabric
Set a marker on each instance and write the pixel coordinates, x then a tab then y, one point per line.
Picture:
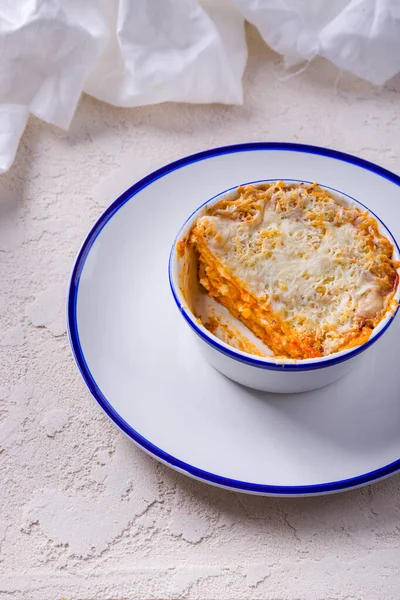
137	52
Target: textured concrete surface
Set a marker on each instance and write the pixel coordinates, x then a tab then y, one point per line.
85	515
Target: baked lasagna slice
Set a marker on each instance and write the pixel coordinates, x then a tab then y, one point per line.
307	273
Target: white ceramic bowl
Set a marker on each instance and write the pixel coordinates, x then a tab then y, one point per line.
271	374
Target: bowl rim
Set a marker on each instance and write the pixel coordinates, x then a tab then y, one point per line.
269	363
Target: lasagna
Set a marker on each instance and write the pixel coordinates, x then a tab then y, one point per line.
307	273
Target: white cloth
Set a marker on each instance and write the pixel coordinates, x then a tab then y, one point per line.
136	52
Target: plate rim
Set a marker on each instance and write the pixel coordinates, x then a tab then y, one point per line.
106	406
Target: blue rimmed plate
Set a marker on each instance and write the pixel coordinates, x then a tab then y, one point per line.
143	366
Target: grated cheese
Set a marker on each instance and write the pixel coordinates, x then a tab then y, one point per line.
311	265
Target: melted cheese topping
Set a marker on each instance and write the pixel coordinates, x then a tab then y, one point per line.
306	272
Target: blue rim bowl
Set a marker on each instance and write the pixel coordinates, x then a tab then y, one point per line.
270	363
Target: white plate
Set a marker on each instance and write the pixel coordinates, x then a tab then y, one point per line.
141	362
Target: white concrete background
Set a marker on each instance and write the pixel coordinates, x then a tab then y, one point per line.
84	514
